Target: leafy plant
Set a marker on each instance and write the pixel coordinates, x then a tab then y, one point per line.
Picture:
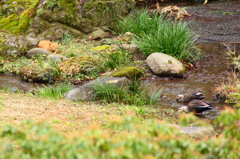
51	4
66	37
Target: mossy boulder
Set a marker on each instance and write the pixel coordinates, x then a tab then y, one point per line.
129	72
54	18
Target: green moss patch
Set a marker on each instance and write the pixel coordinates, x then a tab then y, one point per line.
129	72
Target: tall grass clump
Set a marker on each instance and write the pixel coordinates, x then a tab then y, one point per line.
134	94
53	91
155	34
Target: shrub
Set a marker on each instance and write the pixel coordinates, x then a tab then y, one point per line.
126	138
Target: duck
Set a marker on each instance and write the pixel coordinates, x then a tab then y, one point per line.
188	97
197	107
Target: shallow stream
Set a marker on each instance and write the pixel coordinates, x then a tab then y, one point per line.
210	71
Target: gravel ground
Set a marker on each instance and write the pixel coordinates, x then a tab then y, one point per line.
216	21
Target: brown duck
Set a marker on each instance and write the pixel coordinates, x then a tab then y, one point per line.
197	107
188	97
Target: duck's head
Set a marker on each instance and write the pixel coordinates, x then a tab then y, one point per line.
180	98
199	96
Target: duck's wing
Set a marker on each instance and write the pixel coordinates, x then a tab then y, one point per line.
199	106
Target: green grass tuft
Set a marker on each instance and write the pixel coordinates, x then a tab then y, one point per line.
53	91
154	34
134	94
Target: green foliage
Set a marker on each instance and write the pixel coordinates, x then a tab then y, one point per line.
134	94
126	138
66	37
154	34
15	65
51	4
53	91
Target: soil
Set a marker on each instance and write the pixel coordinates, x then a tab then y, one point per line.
218	21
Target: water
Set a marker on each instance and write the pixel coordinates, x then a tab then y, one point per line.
13	82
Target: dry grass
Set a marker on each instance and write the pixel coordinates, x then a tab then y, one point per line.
72	117
62	114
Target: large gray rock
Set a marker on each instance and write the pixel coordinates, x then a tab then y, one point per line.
37	51
85	93
165	65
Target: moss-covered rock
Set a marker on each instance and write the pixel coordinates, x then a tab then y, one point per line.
129	72
12	44
79	65
41	16
35	73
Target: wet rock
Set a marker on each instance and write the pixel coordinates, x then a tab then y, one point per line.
57	58
198	132
85	93
165	65
99	34
37	51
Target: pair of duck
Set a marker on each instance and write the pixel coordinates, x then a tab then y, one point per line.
195	103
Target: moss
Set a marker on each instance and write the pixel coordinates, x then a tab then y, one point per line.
101	48
129	72
18	19
26	17
183	70
10	23
35	73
